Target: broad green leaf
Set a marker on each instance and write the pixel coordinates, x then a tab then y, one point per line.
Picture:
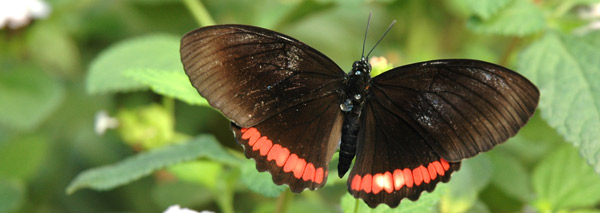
486	8
519	18
510	176
140	165
154	52
28	96
172	84
465	185
566	69
426	203
13	163
259	182
533	142
479	207
12	194
563	181
200	171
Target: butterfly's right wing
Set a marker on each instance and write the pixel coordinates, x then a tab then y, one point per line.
421	120
281	95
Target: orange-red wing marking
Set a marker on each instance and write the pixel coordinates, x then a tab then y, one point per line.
281	146
410	167
399	183
278	154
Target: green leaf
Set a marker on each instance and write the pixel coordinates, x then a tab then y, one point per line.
202	172
28	96
533	142
13	163
172	84
479	207
426	203
12	194
520	18
463	189
563	181
566	69
154	52
140	165
486	8
259	182
510	176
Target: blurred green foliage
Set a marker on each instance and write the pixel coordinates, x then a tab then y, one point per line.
122	56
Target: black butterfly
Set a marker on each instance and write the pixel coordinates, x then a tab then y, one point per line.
409	127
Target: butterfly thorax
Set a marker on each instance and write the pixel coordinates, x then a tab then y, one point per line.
357	81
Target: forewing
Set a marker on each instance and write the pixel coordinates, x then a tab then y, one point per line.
460	107
251	74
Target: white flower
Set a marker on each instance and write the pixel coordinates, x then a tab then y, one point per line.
178	209
591	13
18	13
104	122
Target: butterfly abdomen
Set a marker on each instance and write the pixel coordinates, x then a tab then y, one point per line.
352	105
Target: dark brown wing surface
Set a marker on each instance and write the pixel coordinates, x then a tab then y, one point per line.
281	95
422	119
296	145
251	73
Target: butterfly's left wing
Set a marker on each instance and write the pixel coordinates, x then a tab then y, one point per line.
421	120
281	95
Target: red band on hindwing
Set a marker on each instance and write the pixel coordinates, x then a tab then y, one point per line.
287	161
391	181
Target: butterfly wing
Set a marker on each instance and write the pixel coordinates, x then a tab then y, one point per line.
251	73
281	95
422	119
295	146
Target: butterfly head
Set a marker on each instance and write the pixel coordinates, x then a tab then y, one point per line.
361	67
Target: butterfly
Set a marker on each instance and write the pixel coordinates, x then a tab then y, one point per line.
291	107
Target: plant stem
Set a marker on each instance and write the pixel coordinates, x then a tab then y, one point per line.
169	105
511	47
199	12
282	201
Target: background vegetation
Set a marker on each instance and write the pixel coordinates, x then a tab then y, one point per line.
121	57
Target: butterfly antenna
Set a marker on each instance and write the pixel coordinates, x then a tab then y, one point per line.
365	39
386	31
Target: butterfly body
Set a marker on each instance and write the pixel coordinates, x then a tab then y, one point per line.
407	128
357	84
